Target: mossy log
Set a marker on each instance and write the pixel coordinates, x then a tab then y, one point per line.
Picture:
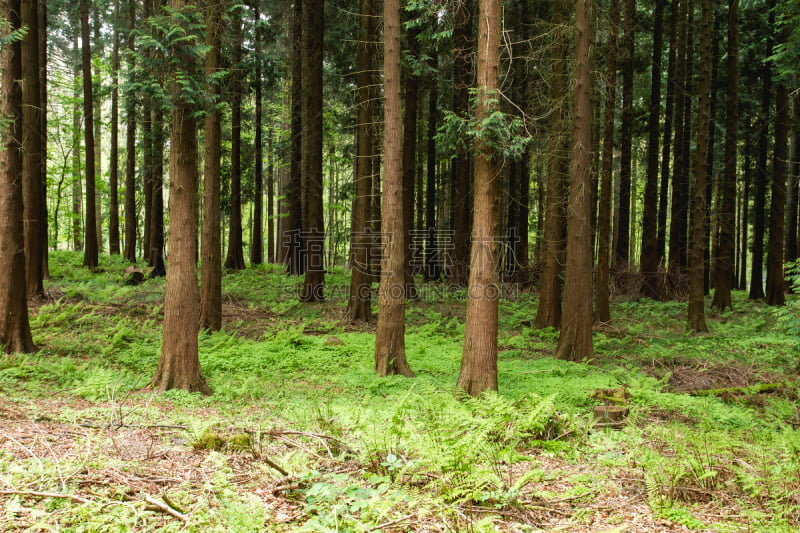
751	389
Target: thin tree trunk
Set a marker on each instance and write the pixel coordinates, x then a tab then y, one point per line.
390	356
257	244
621	259
663	193
432	259
678	200
270	197
43	227
90	250
409	159
234	259
292	237
130	146
156	252
794	182
97	89
113	176
15	330
745	217
77	188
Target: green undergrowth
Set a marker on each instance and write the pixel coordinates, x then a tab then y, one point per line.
412	447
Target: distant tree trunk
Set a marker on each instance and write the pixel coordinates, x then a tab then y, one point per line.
179	365
757	267
257	244
649	257
724	274
130	146
463	80
390	355
270	196
77	189
602	309
549	310
663	193
32	151
678	213
712	183
792	242
235	257
359	307
291	240
211	261
97	91
43	227
313	29
432	259
745	216
156	252
147	176
409	158
113	176
479	356
575	340
690	89
621	259
15	330
90	251
775	278
696	311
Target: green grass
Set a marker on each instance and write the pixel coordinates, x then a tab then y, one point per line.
364	451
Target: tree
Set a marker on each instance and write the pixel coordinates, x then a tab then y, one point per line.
257	239
390	354
113	176
291	239
696	311
211	262
130	144
90	251
179	364
410	153
575	340
724	272
156	252
235	257
479	355
622	232
15	330
677	227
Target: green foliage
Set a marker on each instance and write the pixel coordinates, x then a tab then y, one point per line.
788	316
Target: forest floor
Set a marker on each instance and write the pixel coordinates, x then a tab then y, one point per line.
301	436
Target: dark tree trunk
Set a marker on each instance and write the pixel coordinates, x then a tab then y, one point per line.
234	259
775	277
794	183
130	144
575	340
602	309
43	229
390	352
696	310
147	176
678	214
757	267
179	365
156	252
15	330
97	92
690	89
409	159
270	197
432	260
463	76
32	169
313	29
712	183
359	308
77	188
649	257
620	260
479	356
113	175
666	152
90	250
257	240
291	239
211	261
724	274
745	217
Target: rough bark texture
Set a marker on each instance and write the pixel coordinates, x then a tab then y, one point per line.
678	207
179	365
15	330
409	158
270	196
390	352
723	268
130	143
43	227
359	307
649	258
575	340
432	260
622	231
602	308
775	277
666	144
746	179
793	188
90	242
113	175
97	94
234	259
696	311
156	252
479	355
257	238
291	239
77	188
313	29
211	261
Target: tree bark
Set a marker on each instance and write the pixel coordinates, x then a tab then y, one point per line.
409	158
234	259
77	188
270	196
257	238
621	258
15	330
792	241
113	176
666	149
292	237
97	91
156	252
745	216
390	356
432	260
130	146
90	244
575	340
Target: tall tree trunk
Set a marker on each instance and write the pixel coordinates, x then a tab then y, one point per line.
291	239
313	29
690	89
463	75
97	91
602	309
712	184
724	274
211	261
745	217
649	257
113	175
622	233
179	364
390	353
156	252
663	193
575	340
257	244
130	145
793	189
432	259
43	229
15	329
696	310
90	250
549	310
359	307
409	158
77	188
479	355
235	257
270	196
678	213
757	266
32	151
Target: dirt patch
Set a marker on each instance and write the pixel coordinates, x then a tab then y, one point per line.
689	376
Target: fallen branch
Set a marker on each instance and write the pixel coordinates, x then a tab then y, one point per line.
46	495
165	508
392	523
757	388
